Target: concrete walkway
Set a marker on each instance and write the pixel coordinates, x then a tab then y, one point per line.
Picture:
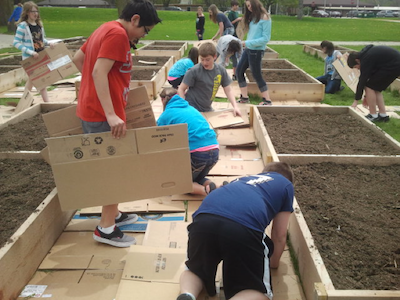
6	41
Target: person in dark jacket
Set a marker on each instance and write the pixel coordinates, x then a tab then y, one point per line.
379	66
200	21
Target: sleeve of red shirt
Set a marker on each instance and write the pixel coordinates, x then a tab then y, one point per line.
114	38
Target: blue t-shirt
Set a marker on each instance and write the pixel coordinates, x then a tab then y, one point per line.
252	201
224	19
180	68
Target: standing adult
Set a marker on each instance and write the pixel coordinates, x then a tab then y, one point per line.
224	25
233	15
16	14
258	21
200	21
30	38
379	66
230	225
106	73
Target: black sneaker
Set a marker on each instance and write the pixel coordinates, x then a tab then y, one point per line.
382	119
243	100
372	118
185	296
125	219
234	77
115	238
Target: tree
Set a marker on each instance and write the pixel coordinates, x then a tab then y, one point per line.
7	7
300	10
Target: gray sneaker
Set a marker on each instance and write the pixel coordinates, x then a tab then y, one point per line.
115	238
125	219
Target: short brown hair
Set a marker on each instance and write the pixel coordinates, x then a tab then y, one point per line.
281	168
207	49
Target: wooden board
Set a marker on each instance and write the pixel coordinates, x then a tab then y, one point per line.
154	85
10	79
20	258
178	54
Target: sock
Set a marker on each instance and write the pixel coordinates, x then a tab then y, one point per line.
374	115
106	230
383	115
119	215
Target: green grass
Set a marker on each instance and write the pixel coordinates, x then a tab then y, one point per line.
4	101
178	25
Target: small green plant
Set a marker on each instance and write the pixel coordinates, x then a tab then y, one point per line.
21	83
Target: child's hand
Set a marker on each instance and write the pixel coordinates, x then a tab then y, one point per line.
52	45
35	55
237	112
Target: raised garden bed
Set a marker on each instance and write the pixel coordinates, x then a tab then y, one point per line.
162	49
159	61
277	64
324	130
13	60
153	78
395	86
316	51
10	76
167	43
289	85
270	54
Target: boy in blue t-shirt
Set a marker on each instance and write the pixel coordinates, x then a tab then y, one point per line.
230	226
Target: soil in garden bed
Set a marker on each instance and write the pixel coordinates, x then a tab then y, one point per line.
24	184
14	60
143	74
180	44
26	135
276	64
159	60
335	47
5	69
166	47
353	215
318	133
294	76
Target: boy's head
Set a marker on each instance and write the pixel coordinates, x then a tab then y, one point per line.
140	16
233	47
281	168
208	54
234	4
327	47
353	60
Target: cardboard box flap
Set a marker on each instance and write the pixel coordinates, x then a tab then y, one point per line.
154	264
161	138
223	118
92	146
350	76
236	137
139	112
62	122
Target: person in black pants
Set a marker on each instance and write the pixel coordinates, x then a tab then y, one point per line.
200	20
379	66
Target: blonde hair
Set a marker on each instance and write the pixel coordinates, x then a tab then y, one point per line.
25	12
214	12
199	8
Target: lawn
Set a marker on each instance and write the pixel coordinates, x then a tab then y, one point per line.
180	25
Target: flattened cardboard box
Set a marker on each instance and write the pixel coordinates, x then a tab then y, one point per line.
51	66
97	169
349	75
65	122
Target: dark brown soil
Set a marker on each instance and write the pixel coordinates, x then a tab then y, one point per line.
180	44
353	214
27	135
167	47
318	133
13	60
24	184
5	69
160	60
143	74
276	64
294	76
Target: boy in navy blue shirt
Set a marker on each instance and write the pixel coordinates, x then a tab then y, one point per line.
230	225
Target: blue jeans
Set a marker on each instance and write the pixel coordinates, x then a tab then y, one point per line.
202	163
331	85
229	31
252	59
95	127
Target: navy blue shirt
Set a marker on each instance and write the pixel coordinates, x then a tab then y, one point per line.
252	201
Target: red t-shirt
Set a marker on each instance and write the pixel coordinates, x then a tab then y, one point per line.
110	41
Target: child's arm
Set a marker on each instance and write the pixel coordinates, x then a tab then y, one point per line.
19	40
182	90
231	97
220	31
278	236
100	78
78	59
